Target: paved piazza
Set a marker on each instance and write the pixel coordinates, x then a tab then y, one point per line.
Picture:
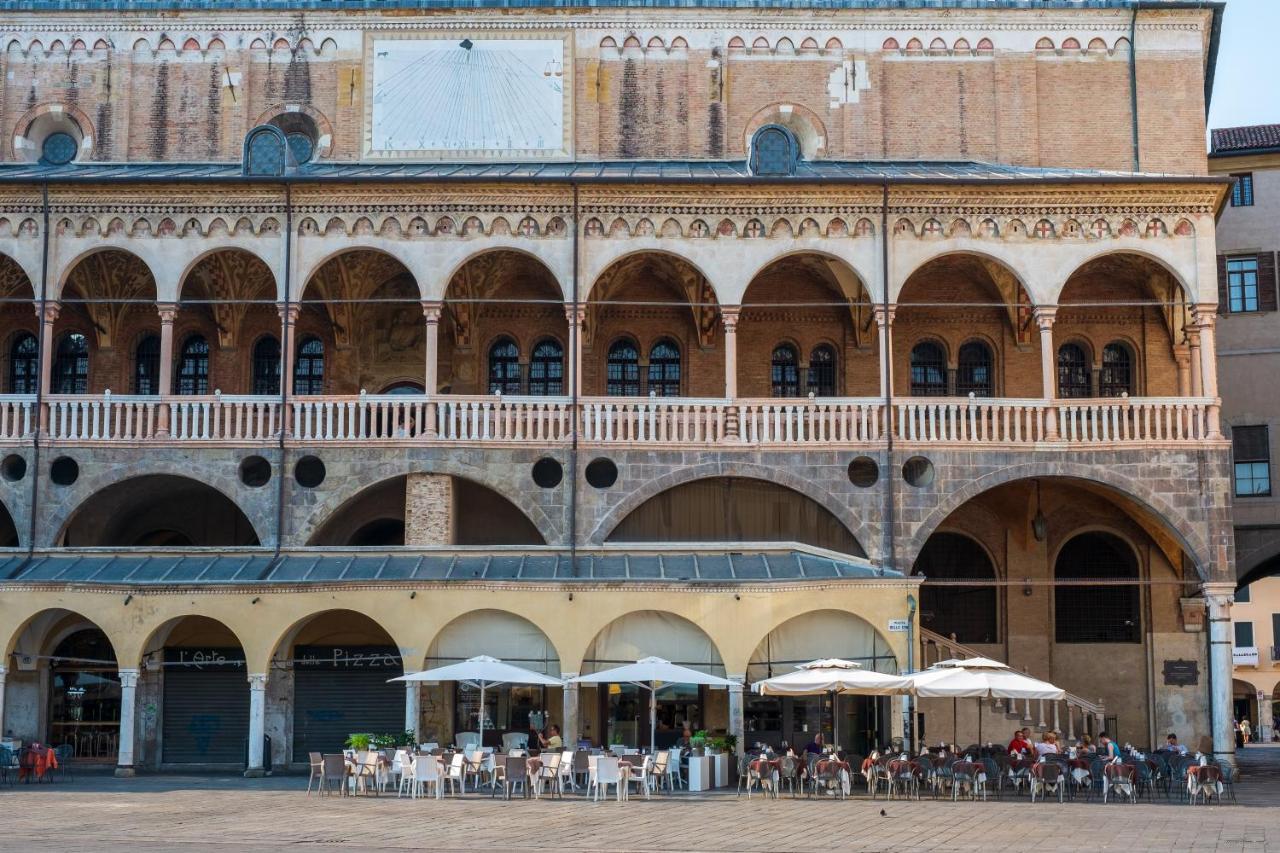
186	813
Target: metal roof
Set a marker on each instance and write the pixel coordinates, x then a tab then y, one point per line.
620	171
378	5
202	568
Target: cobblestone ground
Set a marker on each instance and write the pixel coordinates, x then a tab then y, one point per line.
184	813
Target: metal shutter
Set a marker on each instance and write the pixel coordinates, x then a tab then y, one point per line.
329	704
206	716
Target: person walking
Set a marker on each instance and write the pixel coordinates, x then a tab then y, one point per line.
1246	731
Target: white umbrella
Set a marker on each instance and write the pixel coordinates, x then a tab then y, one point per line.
482	672
980	678
652	673
832	675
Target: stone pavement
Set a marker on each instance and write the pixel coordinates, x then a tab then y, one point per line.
101	814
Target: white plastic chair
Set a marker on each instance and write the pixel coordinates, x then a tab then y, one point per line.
456	775
426	774
566	771
593	762
640	776
467	741
674	777
607	774
399	762
549	772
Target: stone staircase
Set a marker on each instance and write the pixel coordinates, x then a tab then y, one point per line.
1072	716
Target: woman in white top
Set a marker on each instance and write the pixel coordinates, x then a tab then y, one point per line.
1048	745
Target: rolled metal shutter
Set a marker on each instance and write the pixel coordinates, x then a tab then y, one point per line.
344	691
205	716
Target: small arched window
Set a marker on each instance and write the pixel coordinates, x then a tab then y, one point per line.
504	367
784	371
71	365
974	375
193	366
266	366
664	369
24	357
1073	372
1097	613
822	371
146	366
928	370
546	369
1116	378
774	151
308	369
622	370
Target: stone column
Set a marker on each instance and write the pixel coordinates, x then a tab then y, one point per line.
412	704
257	722
428	510
737	712
1197	377
431	313
1182	357
1206	318
569	725
49	317
1266	719
128	706
288	323
729	318
1218	598
884	328
164	386
577	321
3	673
1048	369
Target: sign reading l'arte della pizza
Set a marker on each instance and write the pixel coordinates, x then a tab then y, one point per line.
455	97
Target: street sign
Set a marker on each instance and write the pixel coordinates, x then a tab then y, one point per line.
899	625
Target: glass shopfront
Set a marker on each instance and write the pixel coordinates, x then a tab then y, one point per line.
508	708
84	696
625	710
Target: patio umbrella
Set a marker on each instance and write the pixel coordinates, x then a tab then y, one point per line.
652	673
834	676
980	678
482	672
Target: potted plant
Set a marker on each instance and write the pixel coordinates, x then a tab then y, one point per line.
408	738
730	742
359	742
384	741
698	742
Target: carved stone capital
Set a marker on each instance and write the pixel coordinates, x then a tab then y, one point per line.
128	678
51	312
257	681
168	312
431	311
729	315
1045	315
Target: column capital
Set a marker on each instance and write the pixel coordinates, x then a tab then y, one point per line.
289	313
1044	316
1219	596
51	312
431	310
1193	334
168	311
884	313
739	681
575	315
257	681
1205	315
729	315
128	677
566	676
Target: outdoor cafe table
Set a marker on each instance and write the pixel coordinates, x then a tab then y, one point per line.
38	760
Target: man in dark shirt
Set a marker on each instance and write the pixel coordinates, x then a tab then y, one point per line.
815	746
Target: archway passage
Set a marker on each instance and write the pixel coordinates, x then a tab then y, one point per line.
108	304
504	328
652	326
511	711
204	692
9	537
18	347
807	327
1127	318
1085	613
158	510
969	614
621	711
340	662
84	695
377	517
862	721
735	509
375	342
964	325
228	300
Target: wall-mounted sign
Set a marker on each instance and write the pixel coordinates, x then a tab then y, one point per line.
1245	656
1181	673
899	625
346	657
468	98
203	658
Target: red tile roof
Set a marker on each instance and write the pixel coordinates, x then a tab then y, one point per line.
1232	139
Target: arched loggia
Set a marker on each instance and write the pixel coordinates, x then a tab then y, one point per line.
158	510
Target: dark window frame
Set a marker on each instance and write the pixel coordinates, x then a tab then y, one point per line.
975	375
192	375
928	369
822	380
1242	190
71	368
24	350
1242	284
546	368
1116	377
504	366
146	366
784	371
1251	456
622	369
665	370
308	367
1097	613
265	378
1075	375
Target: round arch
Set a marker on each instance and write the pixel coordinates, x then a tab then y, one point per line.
994	260
861	532
131	252
508	636
355	245
338	518
204	257
815	634
851	281
1179	279
125	513
627	637
514	248
1128	489
612	261
15	281
971	613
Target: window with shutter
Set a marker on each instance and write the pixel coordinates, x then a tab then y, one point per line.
1222	284
1242	284
1242	190
1267	281
1251	454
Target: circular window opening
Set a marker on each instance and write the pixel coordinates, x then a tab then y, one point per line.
13	468
255	471
301	147
58	149
309	472
864	472
602	473
64	471
548	472
918	471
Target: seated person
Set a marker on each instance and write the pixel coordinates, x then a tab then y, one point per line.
1171	744
815	746
1048	745
552	742
1019	744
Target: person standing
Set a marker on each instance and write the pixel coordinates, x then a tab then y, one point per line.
1246	731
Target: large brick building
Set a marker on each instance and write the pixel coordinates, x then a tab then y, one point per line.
728	332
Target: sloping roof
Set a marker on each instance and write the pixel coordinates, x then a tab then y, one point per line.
356	5
256	567
621	171
1236	140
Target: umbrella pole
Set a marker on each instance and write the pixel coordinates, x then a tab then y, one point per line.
653	714
481	715
955	720
979	722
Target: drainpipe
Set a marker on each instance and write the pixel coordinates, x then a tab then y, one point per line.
284	360
908	730
40	332
1133	86
575	339
889	514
